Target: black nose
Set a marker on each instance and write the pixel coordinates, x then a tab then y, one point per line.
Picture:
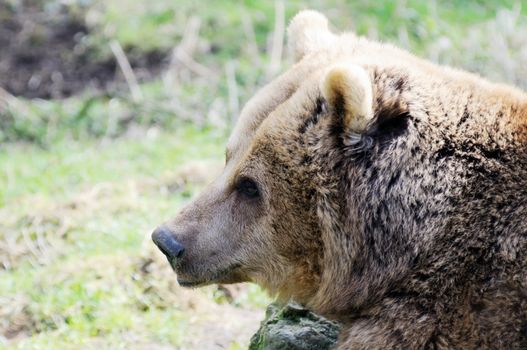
167	243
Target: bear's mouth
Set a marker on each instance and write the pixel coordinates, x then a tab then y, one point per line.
190	284
225	275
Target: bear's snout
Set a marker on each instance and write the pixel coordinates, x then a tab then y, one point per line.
168	244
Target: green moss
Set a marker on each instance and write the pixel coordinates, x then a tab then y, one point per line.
292	327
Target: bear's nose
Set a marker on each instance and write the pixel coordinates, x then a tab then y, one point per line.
167	243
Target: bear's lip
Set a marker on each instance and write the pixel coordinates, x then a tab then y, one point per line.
189	284
225	275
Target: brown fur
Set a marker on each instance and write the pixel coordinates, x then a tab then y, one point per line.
409	228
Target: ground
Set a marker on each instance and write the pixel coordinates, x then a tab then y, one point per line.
88	169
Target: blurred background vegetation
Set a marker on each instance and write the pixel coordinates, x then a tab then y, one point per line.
113	113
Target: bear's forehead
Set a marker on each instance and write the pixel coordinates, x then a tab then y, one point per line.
276	106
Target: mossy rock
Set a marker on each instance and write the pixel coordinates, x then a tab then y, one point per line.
292	327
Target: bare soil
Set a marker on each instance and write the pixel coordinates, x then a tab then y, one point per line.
46	55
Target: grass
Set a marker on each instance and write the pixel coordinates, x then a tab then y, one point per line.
84	180
67	166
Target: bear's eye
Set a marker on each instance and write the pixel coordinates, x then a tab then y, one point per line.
248	188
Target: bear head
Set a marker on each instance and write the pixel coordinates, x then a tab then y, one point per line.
303	178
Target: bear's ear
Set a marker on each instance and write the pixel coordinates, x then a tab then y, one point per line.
307	32
347	89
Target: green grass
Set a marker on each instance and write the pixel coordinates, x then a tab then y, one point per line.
68	165
84	180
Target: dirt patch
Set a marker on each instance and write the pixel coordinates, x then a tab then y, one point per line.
45	53
16	321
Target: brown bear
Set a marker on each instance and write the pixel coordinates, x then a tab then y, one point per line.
375	188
